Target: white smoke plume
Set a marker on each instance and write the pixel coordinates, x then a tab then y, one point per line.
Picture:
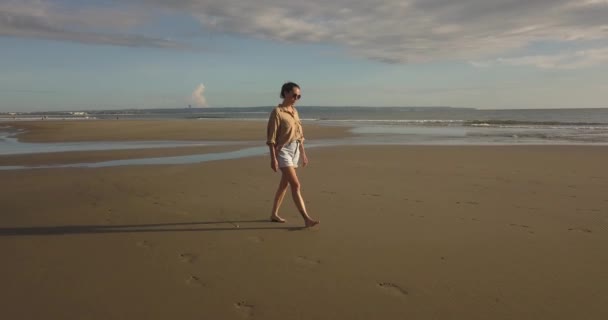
198	97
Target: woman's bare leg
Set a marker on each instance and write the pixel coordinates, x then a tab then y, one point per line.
292	179
278	199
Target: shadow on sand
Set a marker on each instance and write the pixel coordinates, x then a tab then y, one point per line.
157	227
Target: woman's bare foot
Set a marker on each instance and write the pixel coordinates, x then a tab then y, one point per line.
277	219
311	223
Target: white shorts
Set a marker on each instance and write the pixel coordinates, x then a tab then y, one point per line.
289	155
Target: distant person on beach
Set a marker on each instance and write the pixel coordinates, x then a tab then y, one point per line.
285	139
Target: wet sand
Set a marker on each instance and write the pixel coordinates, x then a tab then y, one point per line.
71	157
406	232
133	130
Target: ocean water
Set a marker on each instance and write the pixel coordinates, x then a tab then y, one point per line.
414	125
426	125
369	125
465	126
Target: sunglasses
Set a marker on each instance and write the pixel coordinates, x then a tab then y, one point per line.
297	96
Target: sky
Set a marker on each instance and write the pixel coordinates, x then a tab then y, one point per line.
486	54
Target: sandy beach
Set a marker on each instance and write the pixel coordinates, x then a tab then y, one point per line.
407	232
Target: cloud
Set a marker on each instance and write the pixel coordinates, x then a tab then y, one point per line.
198	98
397	31
563	60
392	31
42	20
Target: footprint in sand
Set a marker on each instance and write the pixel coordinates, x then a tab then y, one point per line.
256	239
194	281
144	244
522	226
244	309
370	194
108	217
586	230
187	257
393	288
305	261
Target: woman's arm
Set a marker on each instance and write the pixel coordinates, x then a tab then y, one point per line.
303	154
274	163
271	138
272	128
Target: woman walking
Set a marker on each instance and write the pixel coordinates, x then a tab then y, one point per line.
285	139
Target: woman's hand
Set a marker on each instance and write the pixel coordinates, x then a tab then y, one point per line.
274	164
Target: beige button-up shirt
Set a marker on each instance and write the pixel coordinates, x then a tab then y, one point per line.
284	127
